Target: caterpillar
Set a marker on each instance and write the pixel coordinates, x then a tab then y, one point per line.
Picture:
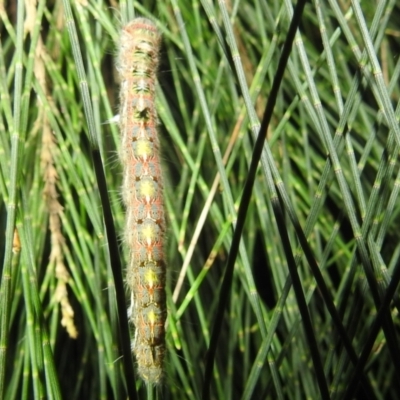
142	191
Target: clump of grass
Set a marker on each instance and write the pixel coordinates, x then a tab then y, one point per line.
311	307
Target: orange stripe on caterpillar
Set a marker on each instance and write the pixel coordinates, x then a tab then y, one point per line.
143	194
150	283
149	323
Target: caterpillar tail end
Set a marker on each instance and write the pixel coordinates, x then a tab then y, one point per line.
150	363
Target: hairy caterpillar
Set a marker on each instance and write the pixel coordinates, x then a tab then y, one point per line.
143	194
